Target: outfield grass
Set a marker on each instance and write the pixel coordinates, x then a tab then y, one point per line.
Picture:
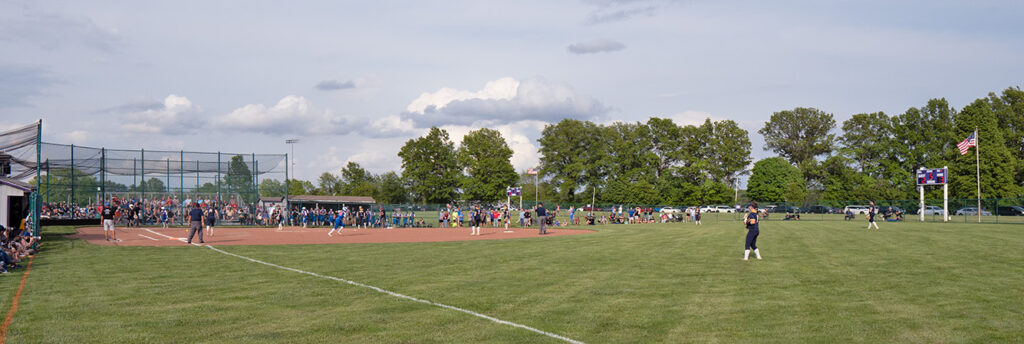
824	281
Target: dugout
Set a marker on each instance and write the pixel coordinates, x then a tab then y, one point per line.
14	201
330	202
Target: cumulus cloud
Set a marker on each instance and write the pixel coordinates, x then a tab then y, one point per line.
173	116
393	125
334	85
596	46
501	101
291	115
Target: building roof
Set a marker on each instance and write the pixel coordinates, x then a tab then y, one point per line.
332	199
23	186
271	199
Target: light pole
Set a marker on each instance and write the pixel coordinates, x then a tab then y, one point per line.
292	143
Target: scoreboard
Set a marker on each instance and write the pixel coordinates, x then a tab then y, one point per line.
931	176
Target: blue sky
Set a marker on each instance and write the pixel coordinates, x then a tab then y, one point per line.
355	80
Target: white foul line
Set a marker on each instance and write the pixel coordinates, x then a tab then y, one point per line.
148	237
401	296
164	235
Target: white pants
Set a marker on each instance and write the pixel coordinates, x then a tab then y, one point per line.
108	225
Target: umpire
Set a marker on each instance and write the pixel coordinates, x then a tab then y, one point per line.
195	223
542	216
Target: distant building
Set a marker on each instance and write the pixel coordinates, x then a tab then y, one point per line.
14	201
330	202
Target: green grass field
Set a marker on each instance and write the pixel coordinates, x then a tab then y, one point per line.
823	281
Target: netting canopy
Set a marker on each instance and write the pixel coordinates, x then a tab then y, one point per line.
82	175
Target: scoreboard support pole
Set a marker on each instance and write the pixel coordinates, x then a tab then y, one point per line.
921	188
945	199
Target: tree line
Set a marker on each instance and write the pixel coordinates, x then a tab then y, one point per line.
869	156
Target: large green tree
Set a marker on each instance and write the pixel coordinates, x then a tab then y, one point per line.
328	184
729	148
486	159
357	181
922	137
392	189
998	164
271	188
239	179
774	180
1009	109
430	165
572	157
800	135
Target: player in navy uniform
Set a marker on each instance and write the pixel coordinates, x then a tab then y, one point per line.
211	220
752	231
474	220
871	215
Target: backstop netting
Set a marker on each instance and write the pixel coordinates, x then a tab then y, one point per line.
74	180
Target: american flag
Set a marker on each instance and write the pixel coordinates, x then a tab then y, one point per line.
966	144
532	171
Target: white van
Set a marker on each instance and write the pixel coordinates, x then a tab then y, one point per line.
857	209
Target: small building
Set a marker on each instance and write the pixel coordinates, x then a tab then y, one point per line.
268	203
330	202
14	201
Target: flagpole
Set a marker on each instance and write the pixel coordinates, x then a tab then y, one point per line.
977	161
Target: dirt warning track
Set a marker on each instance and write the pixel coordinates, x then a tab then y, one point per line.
155	236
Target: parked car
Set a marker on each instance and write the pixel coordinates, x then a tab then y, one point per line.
725	209
816	209
783	209
708	209
931	210
857	209
1010	211
972	211
669	210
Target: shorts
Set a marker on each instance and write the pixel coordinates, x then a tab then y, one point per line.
108	225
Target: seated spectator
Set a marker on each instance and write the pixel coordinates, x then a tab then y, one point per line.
849	216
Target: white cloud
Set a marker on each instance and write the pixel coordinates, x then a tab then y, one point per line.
78	137
501	101
393	125
171	117
691	117
596	46
504	88
291	115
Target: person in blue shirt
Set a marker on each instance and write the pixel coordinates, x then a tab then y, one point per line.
753	231
338	223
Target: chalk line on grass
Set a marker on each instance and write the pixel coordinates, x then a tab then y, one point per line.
401	296
164	235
